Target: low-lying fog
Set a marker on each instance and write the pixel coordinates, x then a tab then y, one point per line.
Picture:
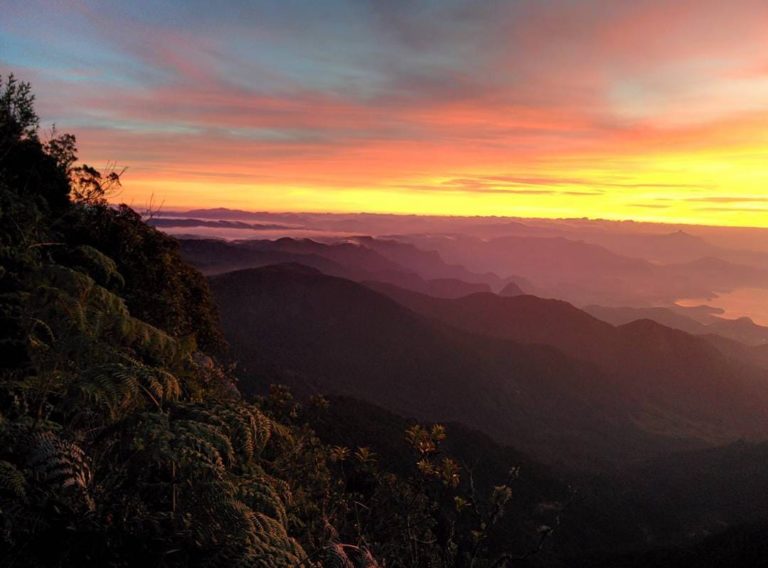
587	262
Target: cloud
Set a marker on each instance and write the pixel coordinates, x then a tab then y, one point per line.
734	209
473	186
650	205
727	199
603	103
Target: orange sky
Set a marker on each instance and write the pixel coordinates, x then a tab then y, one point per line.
646	110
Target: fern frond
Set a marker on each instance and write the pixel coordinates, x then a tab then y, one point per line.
57	462
12	480
210	447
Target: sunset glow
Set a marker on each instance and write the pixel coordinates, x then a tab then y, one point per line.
643	110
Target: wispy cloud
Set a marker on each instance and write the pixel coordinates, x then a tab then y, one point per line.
728	199
547	104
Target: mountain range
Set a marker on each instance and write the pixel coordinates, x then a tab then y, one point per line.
541	375
359	259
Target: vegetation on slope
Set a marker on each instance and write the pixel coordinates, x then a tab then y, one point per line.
123	437
120	440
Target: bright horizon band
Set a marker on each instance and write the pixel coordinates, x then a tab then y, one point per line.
555	109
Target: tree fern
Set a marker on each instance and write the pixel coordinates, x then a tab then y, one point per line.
119	440
116	388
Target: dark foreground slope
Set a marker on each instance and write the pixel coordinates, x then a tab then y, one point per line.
321	333
709	507
109	394
655	513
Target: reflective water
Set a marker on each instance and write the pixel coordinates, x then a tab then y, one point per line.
750	302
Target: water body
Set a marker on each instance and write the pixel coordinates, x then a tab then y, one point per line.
749	302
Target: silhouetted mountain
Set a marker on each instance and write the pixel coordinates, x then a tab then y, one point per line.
428	264
324	334
216	256
161	222
756	355
345	259
684	385
586	273
712	507
742	546
521	318
453	288
667	247
705	490
223	213
743	330
511	289
658	388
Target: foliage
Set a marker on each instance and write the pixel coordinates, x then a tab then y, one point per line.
123	438
160	288
404	500
120	441
18	120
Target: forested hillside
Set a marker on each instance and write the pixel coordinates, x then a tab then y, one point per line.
124	439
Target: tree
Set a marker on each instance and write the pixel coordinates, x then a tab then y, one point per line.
47	169
18	119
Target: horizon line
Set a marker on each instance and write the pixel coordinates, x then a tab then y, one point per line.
671	223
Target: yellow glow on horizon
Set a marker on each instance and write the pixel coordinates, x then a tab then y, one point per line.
726	187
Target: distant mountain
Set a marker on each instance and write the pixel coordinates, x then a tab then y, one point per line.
756	355
324	334
706	490
682	382
222	213
427	263
663	248
585	273
511	289
161	223
677	247
701	313
743	330
576	271
212	256
344	259
662	315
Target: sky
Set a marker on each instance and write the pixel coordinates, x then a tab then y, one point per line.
618	109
